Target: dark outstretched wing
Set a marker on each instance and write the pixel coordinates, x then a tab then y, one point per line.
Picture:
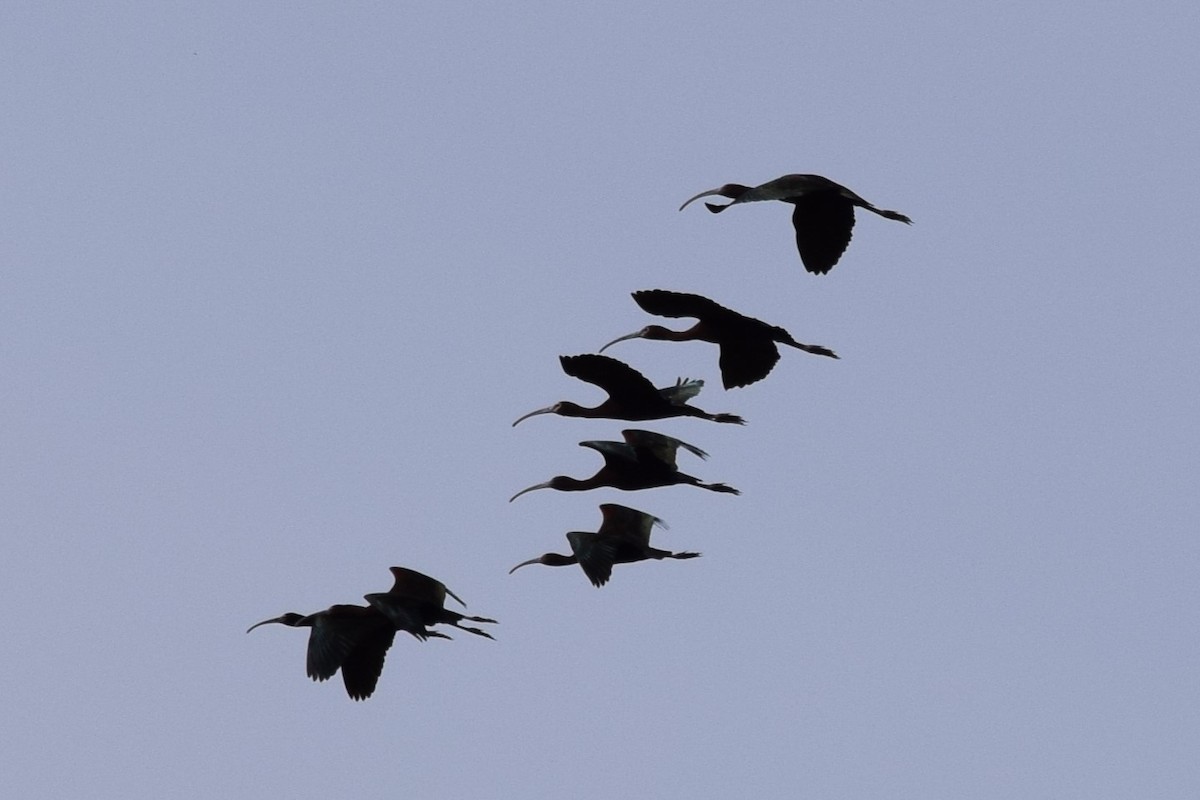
745	360
663	303
658	445
364	664
335	633
595	554
628	522
625	385
418	586
824	222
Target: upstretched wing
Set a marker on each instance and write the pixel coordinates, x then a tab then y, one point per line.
617	451
664	303
624	384
683	390
658	445
628	522
422	588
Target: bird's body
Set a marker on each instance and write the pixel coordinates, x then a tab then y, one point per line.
354	639
417	601
623	538
823	216
645	460
630	395
748	346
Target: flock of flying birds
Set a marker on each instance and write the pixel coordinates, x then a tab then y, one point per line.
355	639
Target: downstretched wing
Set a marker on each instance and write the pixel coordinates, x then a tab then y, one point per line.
595	554
745	360
364	664
824	223
335	633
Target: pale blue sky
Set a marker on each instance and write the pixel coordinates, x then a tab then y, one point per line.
278	277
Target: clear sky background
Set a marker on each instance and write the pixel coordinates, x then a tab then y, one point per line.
276	279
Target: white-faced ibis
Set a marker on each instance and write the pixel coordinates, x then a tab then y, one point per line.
748	346
630	395
417	601
645	460
823	217
623	538
354	639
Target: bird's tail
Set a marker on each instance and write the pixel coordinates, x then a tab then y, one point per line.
896	215
815	349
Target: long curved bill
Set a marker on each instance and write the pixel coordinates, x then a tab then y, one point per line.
546	410
545	485
709	193
265	622
525	564
634	335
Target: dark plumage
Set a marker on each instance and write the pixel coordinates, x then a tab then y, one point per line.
748	350
623	538
630	395
354	639
645	460
417	601
823	216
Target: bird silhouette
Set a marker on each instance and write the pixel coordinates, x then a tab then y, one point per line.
354	639
645	460
623	538
823	214
748	346
417	601
630	395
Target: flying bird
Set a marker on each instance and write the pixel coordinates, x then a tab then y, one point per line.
823	217
645	460
630	395
352	638
417	601
623	538
748	350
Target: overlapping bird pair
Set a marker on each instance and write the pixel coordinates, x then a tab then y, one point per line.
355	639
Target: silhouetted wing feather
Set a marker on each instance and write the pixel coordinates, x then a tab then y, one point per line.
417	586
746	360
362	667
662	447
663	303
595	554
684	389
824	223
628	522
335	633
619	451
623	383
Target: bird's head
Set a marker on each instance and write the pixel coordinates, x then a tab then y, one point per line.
549	559
649	332
730	190
291	619
564	408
